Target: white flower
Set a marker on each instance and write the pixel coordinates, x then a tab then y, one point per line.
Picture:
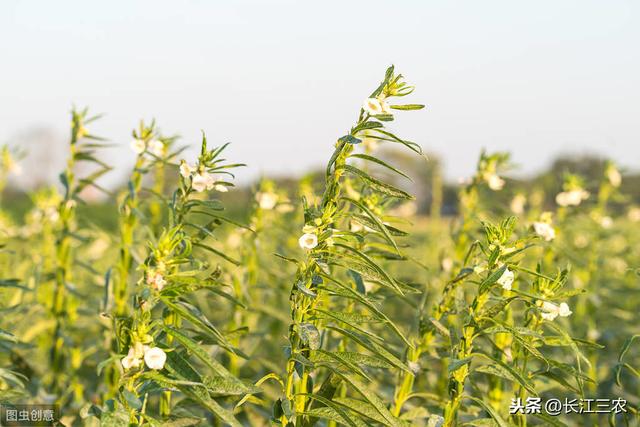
155	358
550	310
221	188
138	146
355	226
549	315
373	106
564	310
133	357
129	362
435	421
156	281
571	198
202	181
614	177
518	203
386	109
544	230
446	264
156	147
138	350
266	201
15	168
414	367
495	182
308	241
480	268
606	222
185	169
506	280
634	214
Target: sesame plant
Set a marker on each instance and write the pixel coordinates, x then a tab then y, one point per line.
333	299
150	148
326	376
65	354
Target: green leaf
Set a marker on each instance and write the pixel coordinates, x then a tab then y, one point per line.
217	252
503	370
330	414
380	272
333	357
200	396
370	305
226	386
350	139
492	412
131	399
116	418
197	320
199	352
355	358
379	225
378	405
491	279
381	163
347	418
407	107
378	185
372	346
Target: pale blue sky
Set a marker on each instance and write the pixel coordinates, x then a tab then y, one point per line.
282	79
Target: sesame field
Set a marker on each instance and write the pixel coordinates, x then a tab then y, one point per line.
335	299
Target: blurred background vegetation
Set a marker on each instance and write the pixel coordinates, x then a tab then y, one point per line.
435	195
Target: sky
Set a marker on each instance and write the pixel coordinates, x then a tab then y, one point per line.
281	80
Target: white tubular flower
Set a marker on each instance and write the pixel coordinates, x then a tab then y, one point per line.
156	147
266	201
614	177
15	168
517	204
414	367
386	109
446	264
308	241
131	360
549	315
495	182
550	310
185	169
480	268
138	146
156	281
564	310
544	230
221	188
355	226
506	280
202	181
571	198
606	222
373	106
634	214
155	358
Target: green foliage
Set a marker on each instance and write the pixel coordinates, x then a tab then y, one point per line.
330	302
